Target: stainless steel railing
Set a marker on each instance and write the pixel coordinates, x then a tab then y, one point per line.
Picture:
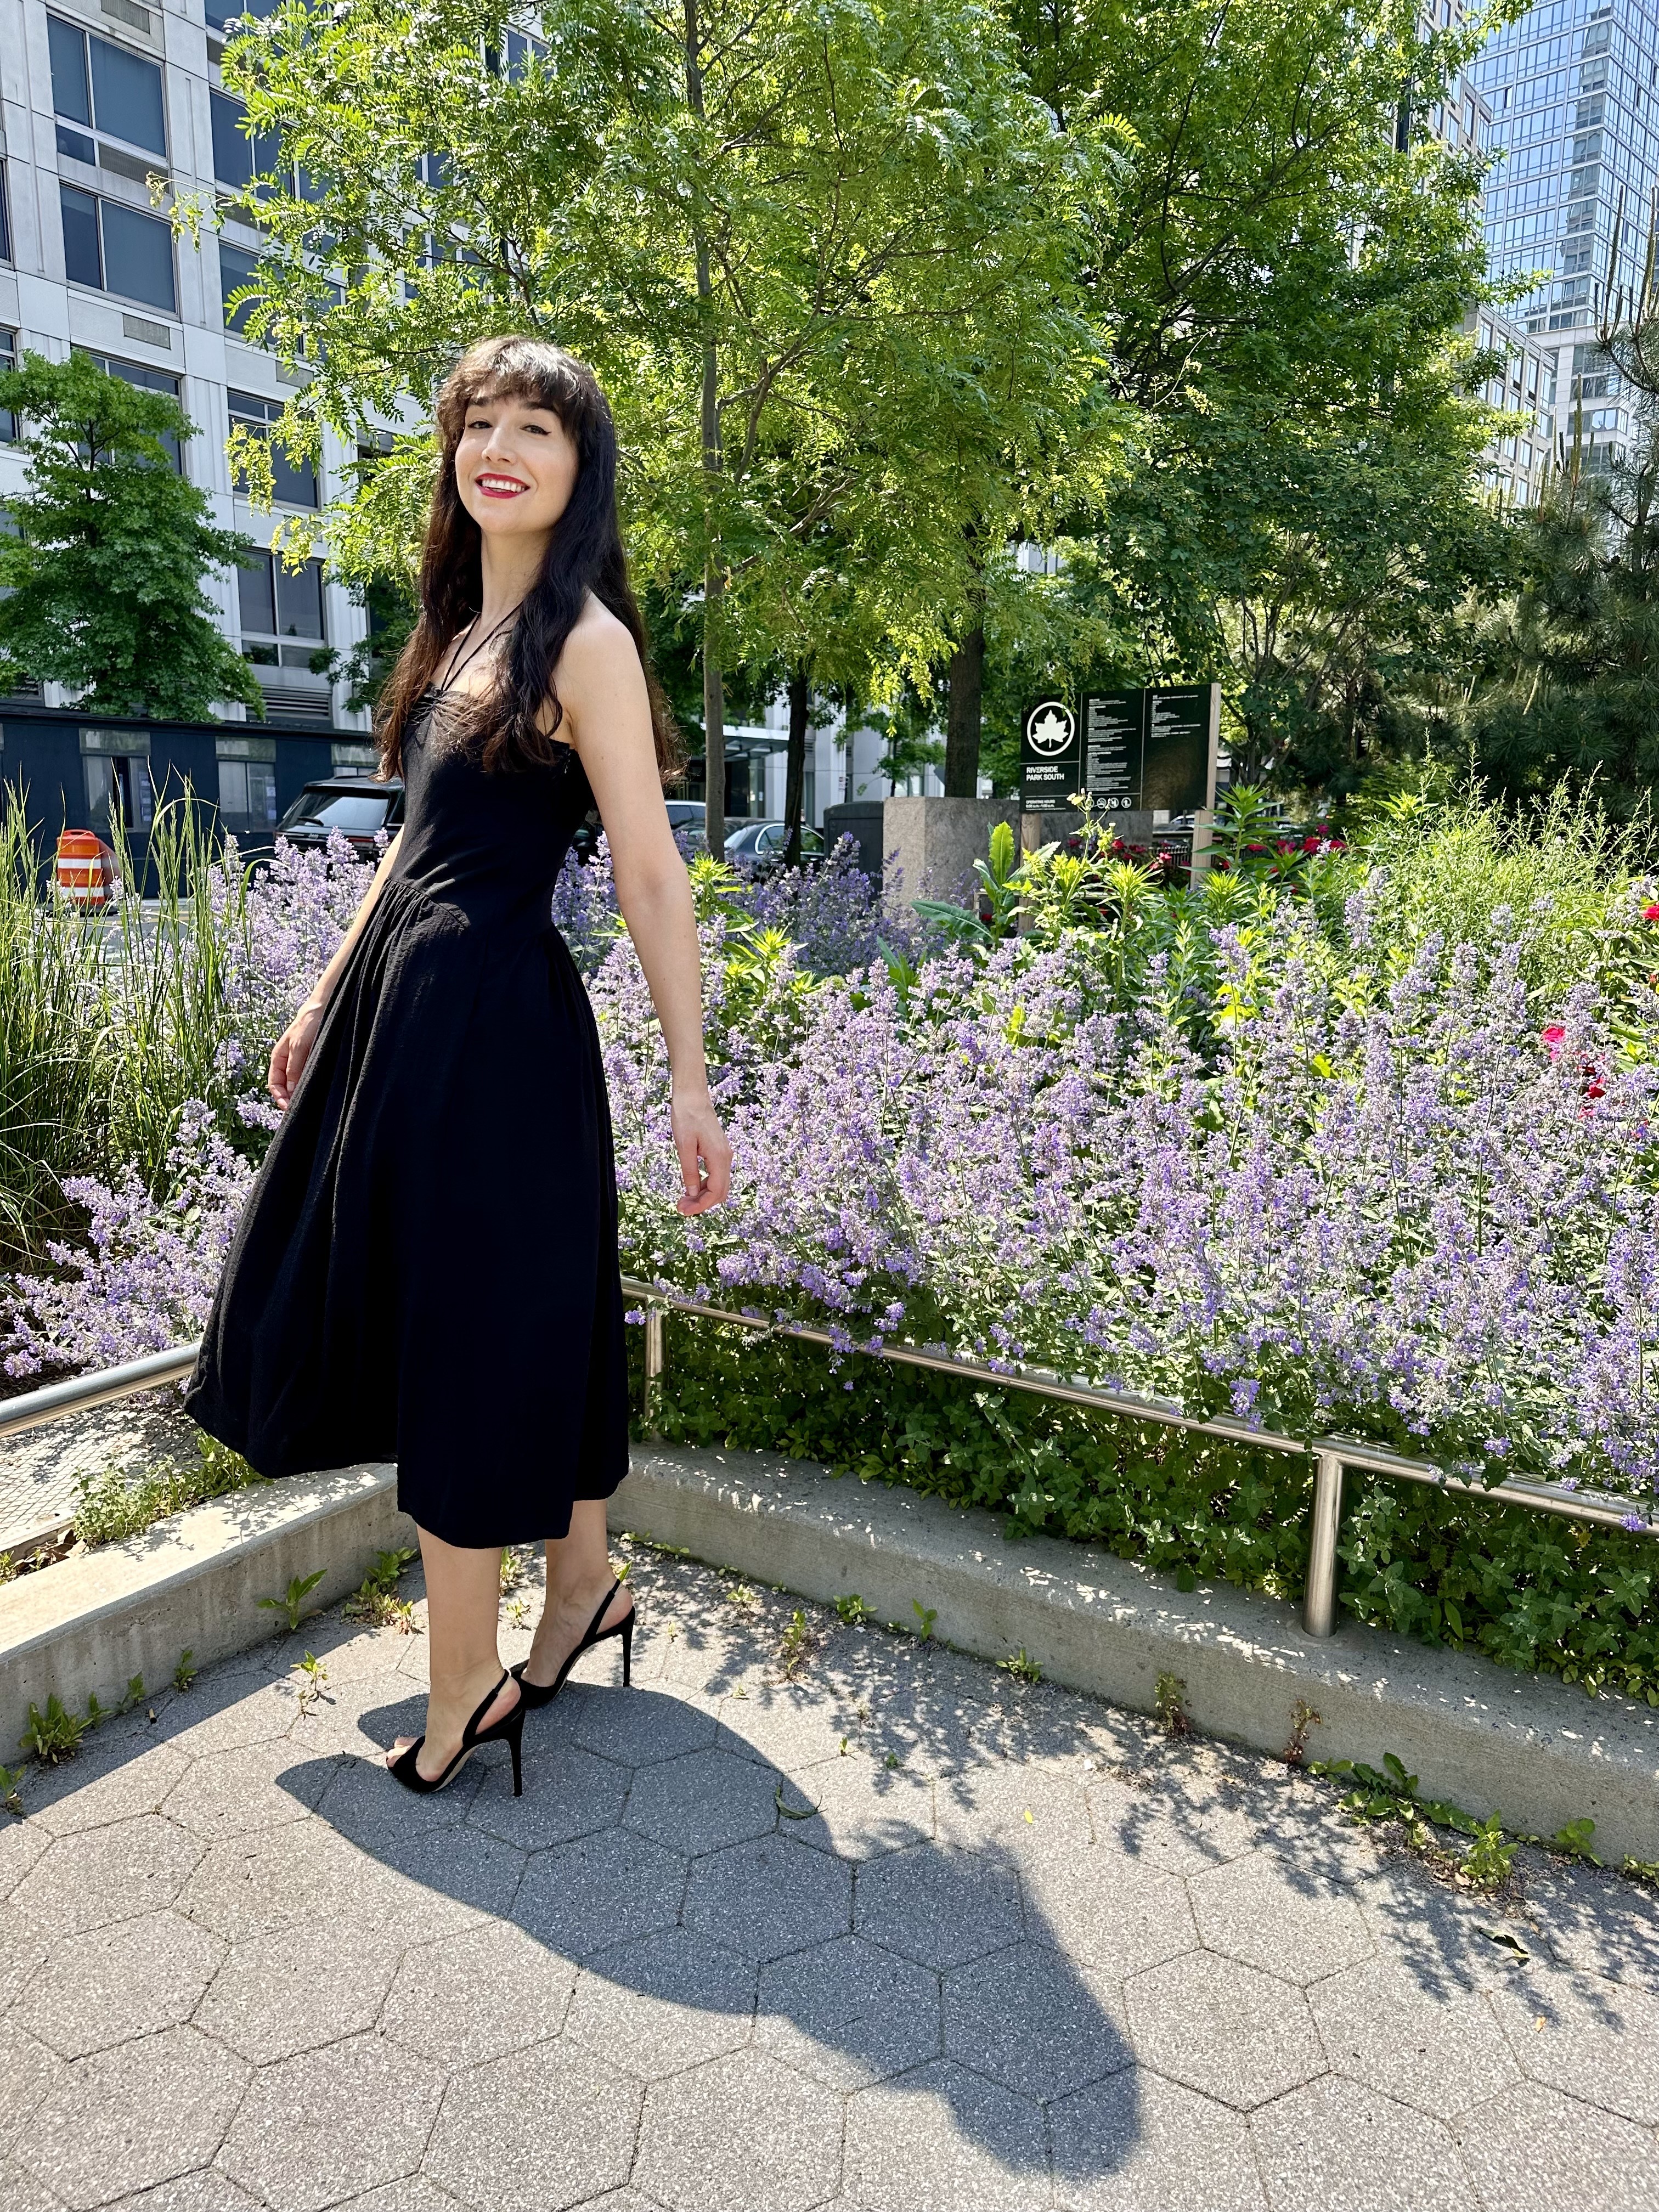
1334	1457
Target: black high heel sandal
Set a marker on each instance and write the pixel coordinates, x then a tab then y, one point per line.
509	1730
542	1693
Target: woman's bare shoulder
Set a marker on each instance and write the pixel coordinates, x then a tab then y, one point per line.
599	642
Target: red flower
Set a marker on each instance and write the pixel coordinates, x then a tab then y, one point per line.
1650	912
1554	1036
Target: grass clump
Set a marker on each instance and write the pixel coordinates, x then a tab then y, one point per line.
119	1501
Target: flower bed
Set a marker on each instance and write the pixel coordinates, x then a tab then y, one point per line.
1368	1147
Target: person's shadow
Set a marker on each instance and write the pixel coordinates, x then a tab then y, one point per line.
694	1900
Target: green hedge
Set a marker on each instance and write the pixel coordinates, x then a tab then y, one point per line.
1529	1590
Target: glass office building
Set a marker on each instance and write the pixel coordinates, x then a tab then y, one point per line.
1571	89
98	98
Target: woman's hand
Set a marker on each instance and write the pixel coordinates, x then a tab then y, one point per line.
705	1155
292	1050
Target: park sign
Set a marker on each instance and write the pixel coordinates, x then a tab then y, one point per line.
1132	750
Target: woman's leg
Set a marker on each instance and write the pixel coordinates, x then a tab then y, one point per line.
579	1573
463	1606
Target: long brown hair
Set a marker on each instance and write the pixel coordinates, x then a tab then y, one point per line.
584	554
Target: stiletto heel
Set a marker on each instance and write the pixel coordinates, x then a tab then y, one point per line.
542	1693
509	1730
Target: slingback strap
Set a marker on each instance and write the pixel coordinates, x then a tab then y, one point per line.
593	1624
469	1734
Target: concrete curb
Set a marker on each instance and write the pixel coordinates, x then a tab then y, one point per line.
1532	1747
93	1622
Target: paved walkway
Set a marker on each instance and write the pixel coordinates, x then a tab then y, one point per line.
1019	1953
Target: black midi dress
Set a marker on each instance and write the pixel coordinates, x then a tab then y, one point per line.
427	1268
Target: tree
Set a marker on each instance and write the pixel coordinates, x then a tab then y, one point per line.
1296	507
822	257
104	576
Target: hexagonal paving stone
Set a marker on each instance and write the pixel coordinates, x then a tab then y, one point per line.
252	1884
28	2070
575	1792
302	1987
703	1800
1342	2146
942	1907
94	1788
943	2139
663	2002
864	1810
205	2190
1534	2150
1229	2030
21	1842
556	2127
1138	2143
1593	1921
21	2192
25	1947
130	2117
742	2134
365	1804
1266	1912
1169	1829
102	1874
478	1995
790	1726
848	2013
256	1786
1031	1811
255	1711
333	2123
1097	1906
414	2193
599	1891
111	1984
1441	2054
769	1897
452	1877
639	1726
1590	2038
1035	2021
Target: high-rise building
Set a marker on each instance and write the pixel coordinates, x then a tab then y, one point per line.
97	98
1571	88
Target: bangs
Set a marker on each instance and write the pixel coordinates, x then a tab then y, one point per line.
528	369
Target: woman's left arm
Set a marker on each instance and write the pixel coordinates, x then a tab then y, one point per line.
607	717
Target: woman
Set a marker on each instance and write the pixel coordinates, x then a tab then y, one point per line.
427	1269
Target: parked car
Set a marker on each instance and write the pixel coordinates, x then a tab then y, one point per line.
687	814
761	846
358	806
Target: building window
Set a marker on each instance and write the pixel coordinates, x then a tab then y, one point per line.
295	482
146	379
106	87
282	611
115	249
7	360
238	158
247	782
119	793
222	14
5	220
236	269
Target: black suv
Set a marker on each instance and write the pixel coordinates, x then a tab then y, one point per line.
359	806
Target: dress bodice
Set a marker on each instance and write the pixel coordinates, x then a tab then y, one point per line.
491	843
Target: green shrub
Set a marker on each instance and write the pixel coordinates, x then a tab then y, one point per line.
1528	1590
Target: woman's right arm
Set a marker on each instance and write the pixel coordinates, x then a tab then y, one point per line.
293	1048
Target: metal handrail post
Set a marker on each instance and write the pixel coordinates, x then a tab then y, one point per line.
653	1362
1319	1603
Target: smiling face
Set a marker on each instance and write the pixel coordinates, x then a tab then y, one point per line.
515	466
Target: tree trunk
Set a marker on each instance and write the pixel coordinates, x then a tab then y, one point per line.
963	723
713	580
794	777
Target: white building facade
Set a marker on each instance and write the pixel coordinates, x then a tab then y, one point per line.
96	98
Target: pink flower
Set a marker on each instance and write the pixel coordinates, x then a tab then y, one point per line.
1650	912
1554	1038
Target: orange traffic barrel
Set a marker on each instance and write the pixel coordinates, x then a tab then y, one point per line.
84	870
